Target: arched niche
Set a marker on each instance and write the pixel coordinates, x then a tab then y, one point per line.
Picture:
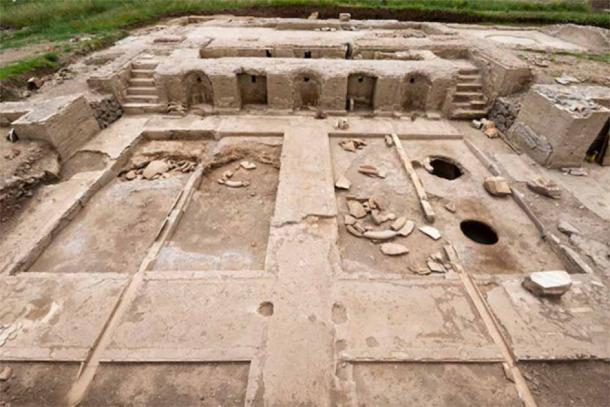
307	90
415	89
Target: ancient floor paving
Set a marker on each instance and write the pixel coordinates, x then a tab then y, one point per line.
309	315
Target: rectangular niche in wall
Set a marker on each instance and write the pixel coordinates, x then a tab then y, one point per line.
360	92
252	89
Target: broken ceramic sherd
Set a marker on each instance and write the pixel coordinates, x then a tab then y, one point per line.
431	232
393	249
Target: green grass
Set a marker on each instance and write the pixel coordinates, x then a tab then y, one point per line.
48	61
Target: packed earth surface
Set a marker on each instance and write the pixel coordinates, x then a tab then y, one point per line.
223	210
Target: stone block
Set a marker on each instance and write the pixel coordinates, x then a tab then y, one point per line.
65	122
556	124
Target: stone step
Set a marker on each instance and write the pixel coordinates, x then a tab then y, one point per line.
142	99
142	73
141	82
469	78
144	65
469	71
139	108
472	104
468	113
469	87
468	96
144	90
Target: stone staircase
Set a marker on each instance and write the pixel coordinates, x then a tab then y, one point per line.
142	93
468	100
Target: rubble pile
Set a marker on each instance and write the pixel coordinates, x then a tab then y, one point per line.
503	113
153	169
107	110
227	176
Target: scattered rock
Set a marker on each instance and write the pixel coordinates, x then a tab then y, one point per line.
431	232
353	230
233	184
155	167
12	136
399	223
393	249
6	373
577	172
566	79
380	218
343	183
314	16
344	17
450	206
352	144
320	115
548	283
380	234
407	228
496	186
371	171
176	108
356	209
247	165
488	124
227	174
342	124
388	140
545	186
349	220
435	266
492	132
422	271
477	124
567	228
35	83
131	175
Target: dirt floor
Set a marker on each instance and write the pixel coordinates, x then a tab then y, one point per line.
37	384
234	235
442	384
165	384
570	383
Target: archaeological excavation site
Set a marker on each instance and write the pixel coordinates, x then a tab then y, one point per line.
228	210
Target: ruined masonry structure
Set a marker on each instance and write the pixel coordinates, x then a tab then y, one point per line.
298	212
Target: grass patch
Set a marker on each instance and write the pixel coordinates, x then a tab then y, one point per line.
590	57
48	61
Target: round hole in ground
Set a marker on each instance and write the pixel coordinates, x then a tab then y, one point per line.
445	168
265	308
306	78
479	232
361	79
412	80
